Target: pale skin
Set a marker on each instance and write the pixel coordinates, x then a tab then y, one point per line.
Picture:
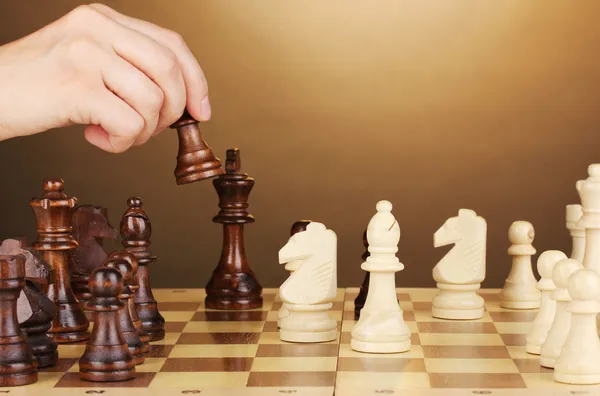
125	79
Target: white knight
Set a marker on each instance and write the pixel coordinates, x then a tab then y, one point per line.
460	272
309	292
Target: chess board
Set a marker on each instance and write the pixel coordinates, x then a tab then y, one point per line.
222	353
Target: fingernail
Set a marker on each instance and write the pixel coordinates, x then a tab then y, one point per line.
205	108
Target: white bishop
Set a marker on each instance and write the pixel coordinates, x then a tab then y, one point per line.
381	327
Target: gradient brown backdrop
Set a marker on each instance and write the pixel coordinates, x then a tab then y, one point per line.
433	105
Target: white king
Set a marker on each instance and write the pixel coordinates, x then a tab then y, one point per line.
589	193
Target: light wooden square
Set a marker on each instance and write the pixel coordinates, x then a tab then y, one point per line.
179	295
415	352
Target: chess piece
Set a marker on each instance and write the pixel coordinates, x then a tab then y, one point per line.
589	193
233	284
90	228
574	214
292	266
53	212
381	327
309	292
520	291
579	360
195	160
106	357
126	327
136	231
545	316
561	324
17	364
460	272
359	301
35	311
134	286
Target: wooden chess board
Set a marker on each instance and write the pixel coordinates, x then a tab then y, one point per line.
222	353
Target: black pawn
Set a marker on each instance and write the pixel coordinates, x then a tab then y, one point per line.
17	364
359	301
106	357
128	330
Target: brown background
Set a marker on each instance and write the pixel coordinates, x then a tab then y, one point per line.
335	105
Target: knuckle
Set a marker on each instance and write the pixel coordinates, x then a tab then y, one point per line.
133	127
75	53
155	98
175	38
83	16
170	64
80	47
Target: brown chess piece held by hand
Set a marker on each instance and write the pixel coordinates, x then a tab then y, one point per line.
359	301
106	357
136	231
17	363
53	212
35	311
90	228
195	160
233	284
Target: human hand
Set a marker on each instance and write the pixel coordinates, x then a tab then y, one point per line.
126	79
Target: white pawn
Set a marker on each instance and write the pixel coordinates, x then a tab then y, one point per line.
520	290
381	327
574	213
579	361
543	321
559	331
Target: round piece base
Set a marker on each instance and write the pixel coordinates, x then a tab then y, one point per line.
47	359
107	376
139	358
68	337
533	349
190	177
309	336
547	362
577	379
19	379
155	335
145	338
457	314
380	347
249	302
520	304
